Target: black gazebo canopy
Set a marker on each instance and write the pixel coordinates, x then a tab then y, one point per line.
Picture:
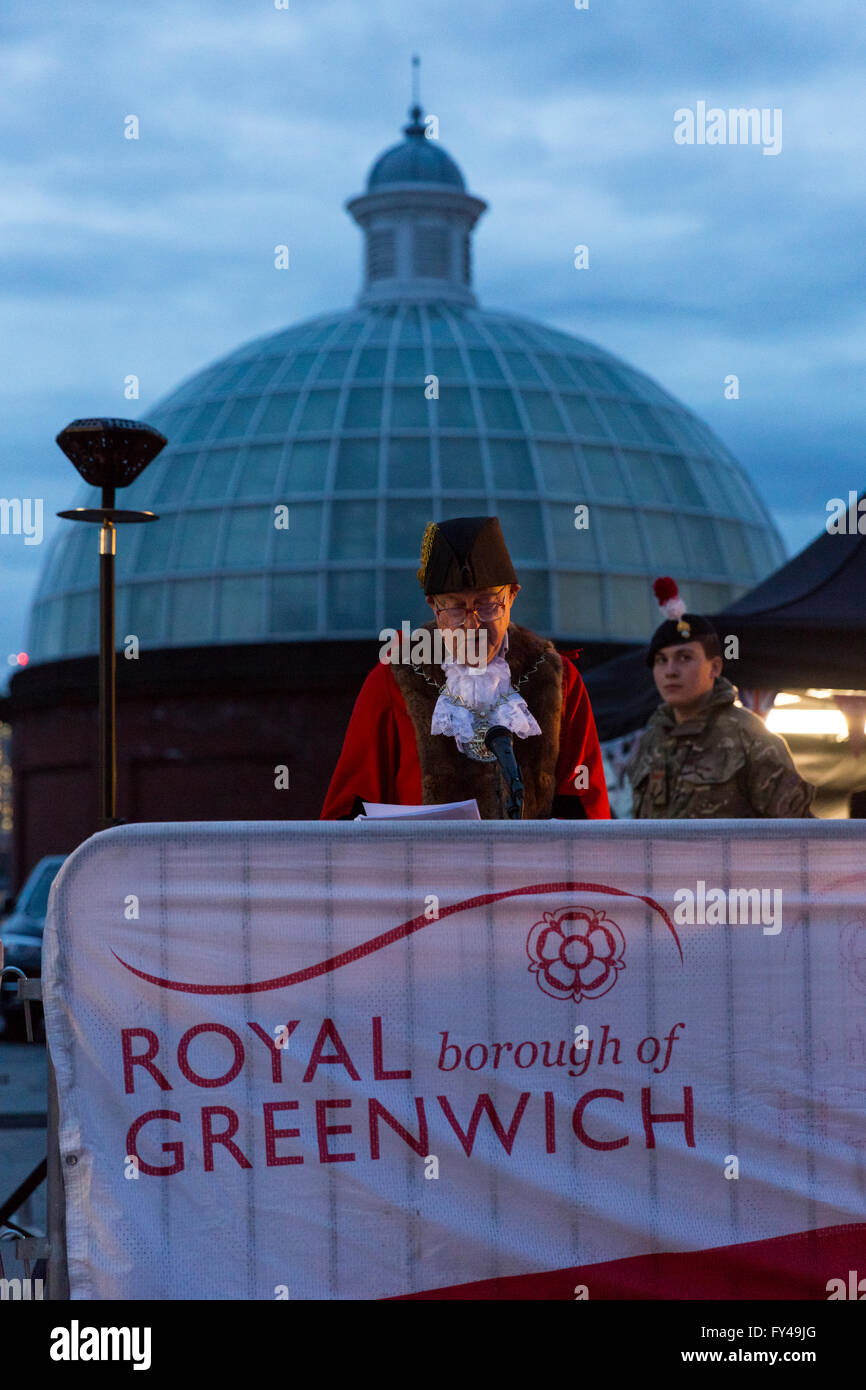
803	626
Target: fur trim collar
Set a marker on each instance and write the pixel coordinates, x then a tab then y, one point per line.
448	775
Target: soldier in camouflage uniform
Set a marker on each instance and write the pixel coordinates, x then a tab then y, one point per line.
701	755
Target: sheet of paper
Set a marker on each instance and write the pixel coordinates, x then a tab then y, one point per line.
450	810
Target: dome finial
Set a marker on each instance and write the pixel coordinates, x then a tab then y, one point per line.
416	125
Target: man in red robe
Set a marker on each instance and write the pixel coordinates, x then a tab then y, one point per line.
417	738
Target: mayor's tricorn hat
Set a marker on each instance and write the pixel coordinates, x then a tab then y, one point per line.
680	627
467	552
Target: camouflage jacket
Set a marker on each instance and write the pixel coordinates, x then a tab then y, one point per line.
723	763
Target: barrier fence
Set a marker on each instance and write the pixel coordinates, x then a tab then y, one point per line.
460	1060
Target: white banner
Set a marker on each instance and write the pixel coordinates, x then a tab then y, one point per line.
549	1060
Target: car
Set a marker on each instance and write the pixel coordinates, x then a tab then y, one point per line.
21	934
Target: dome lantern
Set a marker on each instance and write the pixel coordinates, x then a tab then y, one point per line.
417	220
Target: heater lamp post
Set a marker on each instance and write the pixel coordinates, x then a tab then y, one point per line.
108	454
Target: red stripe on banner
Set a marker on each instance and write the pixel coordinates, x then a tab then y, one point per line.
787	1267
377	943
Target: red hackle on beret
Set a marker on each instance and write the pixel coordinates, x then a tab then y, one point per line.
665	588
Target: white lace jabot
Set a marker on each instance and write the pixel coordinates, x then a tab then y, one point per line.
481	688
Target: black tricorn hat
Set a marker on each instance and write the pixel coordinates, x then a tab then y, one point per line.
676	632
466	552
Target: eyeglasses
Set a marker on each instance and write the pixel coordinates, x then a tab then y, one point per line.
486	610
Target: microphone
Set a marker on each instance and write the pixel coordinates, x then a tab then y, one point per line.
499	741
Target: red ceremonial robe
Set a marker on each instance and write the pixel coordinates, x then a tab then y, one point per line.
379	761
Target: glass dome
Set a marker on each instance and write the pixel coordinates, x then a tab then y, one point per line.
337	420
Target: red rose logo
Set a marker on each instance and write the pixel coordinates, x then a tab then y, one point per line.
576	953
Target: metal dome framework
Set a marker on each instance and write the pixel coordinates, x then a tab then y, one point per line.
331	418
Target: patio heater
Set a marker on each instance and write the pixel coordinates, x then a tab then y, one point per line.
109	454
